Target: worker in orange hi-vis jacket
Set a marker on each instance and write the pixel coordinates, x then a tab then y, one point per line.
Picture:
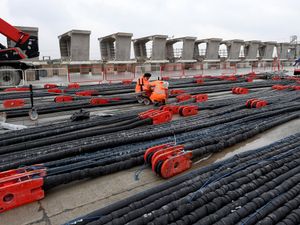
142	89
159	94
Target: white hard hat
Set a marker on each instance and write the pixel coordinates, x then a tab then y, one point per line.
165	84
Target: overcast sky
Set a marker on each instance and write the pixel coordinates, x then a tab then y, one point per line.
267	20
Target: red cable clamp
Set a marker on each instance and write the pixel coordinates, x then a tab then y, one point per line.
48	86
150	151
87	93
239	90
13	103
17	89
98	101
168	160
174	109
188	110
64	98
157	116
183	97
199	81
279	87
55	90
21	186
200	97
73	86
256	103
177	92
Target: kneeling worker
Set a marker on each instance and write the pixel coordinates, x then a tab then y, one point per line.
159	94
142	88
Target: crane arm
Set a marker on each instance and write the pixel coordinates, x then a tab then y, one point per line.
26	45
13	33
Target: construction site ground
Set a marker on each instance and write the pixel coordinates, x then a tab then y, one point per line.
70	201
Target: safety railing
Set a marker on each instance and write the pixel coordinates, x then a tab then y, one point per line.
155	71
42	76
119	73
85	74
175	70
215	69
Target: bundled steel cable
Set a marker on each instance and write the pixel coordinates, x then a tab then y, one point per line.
248	188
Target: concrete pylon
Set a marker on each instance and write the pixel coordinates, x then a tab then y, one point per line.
233	49
75	45
32	31
158	52
283	51
266	50
297	51
115	48
212	49
187	53
251	50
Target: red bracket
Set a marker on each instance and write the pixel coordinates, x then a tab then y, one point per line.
55	90
48	86
114	99
239	90
13	103
98	101
249	79
163	154
21	186
199	81
150	151
176	92
188	110
279	87
17	89
64	98
183	97
176	164
73	86
87	93
256	103
296	88
200	98
174	109
157	116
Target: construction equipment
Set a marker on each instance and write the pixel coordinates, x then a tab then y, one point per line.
11	66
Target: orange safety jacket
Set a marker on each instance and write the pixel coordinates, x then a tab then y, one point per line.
142	84
160	92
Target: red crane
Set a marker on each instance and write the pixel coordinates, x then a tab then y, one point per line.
26	46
